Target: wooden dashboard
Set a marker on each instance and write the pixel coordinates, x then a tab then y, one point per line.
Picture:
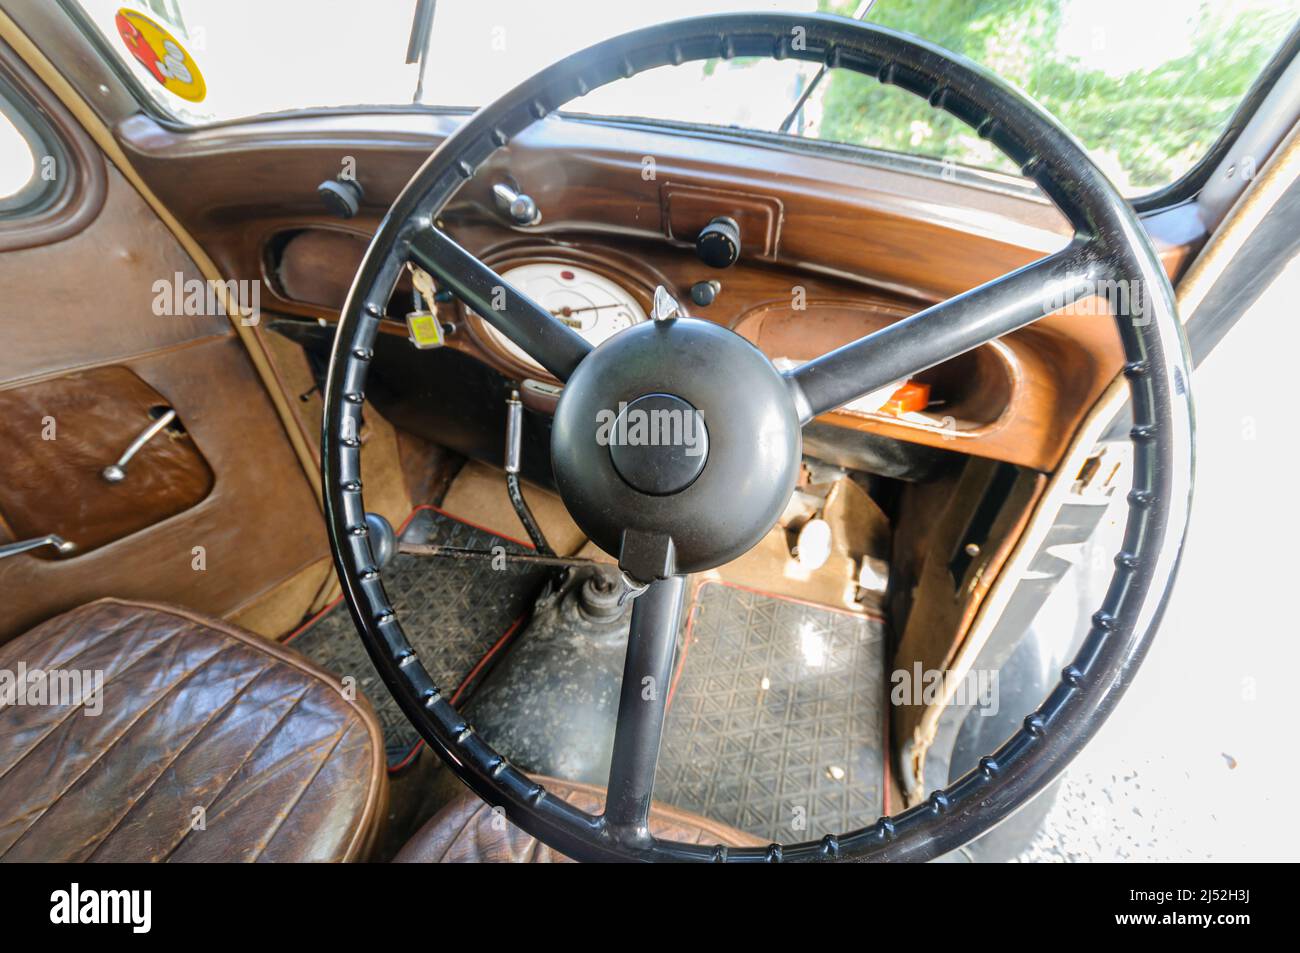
831	249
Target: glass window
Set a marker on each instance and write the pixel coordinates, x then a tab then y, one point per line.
262	56
17	163
1147	87
27	164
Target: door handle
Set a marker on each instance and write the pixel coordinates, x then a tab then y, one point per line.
58	542
116	472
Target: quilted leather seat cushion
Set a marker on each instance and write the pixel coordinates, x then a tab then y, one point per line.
212	745
467	831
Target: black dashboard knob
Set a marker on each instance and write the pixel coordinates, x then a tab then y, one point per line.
341	196
703	293
718	244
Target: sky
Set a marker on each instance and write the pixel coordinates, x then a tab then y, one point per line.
17	165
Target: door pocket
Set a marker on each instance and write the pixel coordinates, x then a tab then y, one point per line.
66	469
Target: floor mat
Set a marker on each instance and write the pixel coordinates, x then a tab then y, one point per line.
776	718
453	612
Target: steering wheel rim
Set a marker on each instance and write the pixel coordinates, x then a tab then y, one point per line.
1109	244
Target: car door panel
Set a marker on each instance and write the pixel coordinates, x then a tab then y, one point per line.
216	511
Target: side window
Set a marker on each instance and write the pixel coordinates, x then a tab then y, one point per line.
17	164
33	164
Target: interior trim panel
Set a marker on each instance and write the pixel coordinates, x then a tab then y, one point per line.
886	243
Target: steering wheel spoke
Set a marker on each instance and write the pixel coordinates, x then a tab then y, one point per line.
642	704
554	345
945	330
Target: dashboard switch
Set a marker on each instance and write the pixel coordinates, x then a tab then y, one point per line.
718	244
520	209
703	293
341	196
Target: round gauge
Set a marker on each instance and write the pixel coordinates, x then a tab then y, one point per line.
591	304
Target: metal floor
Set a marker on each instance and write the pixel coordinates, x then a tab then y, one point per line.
776	722
776	714
453	612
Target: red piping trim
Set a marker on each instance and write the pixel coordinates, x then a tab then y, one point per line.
691	615
461	519
310	622
686	644
496	647
888	752
466	681
415	750
782	596
399	531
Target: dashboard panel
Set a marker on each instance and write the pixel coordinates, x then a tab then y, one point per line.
831	250
1015	399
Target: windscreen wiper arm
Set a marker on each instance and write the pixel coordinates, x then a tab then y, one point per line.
860	14
417	47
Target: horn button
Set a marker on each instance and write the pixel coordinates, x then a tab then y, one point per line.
658	443
675	446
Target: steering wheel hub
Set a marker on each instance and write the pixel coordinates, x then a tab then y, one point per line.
682	430
658	444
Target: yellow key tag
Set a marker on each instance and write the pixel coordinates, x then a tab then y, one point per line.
425	330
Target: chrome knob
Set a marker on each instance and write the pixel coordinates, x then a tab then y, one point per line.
519	208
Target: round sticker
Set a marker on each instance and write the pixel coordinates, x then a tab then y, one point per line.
161	54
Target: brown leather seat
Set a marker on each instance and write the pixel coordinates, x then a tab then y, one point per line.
467	831
212	745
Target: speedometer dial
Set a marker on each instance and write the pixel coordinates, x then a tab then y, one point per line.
591	304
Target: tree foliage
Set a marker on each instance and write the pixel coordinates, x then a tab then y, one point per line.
1145	127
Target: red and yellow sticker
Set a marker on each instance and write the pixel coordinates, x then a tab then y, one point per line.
161	54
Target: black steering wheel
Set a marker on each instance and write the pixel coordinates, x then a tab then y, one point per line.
678	510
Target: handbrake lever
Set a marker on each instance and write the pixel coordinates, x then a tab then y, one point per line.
514	440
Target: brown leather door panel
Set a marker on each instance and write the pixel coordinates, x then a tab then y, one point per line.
219	518
259	526
61	434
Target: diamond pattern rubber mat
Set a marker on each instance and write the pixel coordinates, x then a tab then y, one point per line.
453	611
776	725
